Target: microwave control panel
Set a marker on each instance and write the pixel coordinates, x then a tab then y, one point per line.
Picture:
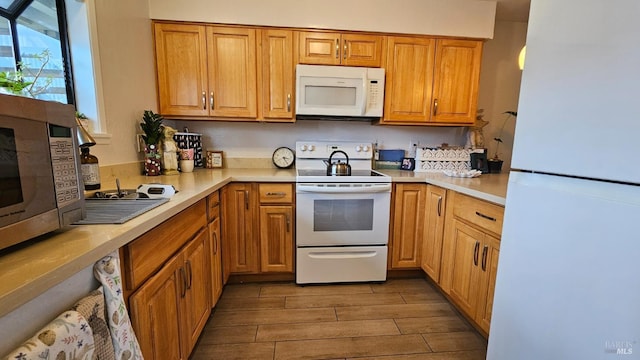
65	170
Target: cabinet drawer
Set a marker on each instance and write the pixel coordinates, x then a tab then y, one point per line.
481	213
146	254
213	206
275	193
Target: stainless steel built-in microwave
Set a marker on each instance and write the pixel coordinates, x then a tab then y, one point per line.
40	185
339	92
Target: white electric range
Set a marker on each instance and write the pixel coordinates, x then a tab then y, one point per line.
342	222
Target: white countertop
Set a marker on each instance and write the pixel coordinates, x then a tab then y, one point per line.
31	268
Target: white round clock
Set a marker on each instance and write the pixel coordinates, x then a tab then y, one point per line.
283	157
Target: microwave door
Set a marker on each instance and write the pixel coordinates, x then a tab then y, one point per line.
331	96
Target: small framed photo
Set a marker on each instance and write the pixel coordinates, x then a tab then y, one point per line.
214	159
408	164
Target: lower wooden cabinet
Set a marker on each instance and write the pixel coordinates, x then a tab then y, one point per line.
258	226
407	225
434	231
213	215
170	310
470	256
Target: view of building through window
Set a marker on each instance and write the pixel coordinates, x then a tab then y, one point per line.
38	61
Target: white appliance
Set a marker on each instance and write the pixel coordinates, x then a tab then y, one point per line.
568	284
339	92
342	222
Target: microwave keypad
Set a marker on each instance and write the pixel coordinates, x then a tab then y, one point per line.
64	170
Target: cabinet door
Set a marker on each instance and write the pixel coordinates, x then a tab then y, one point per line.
240	245
362	50
182	69
489	266
456	80
232	71
216	261
276	238
277	75
464	261
156	310
434	231
408	87
320	48
197	297
408	225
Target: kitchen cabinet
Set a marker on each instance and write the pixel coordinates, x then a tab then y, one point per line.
431	81
335	48
206	71
407	230
276	80
470	255
170	284
436	200
213	217
258	226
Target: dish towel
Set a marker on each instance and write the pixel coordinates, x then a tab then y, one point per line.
68	337
92	307
125	343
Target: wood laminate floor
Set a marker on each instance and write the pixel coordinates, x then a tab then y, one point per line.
399	319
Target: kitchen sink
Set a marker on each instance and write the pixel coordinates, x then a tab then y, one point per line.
117	210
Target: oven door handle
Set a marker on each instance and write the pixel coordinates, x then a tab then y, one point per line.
342	254
375	188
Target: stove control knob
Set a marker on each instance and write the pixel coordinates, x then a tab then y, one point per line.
366	148
312	147
358	148
303	147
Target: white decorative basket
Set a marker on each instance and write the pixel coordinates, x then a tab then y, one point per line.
436	160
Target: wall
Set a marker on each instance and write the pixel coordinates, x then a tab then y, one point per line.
500	86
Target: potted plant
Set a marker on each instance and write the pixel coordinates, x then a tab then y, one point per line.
151	125
495	163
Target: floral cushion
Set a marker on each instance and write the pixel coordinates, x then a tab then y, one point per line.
67	337
125	343
92	307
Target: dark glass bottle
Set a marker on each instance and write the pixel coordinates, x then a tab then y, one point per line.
90	170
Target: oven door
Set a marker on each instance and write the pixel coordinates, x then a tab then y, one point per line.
342	214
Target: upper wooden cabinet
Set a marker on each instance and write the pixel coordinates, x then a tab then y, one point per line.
431	81
277	95
181	65
206	71
333	48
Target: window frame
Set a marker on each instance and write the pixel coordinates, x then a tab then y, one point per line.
15	10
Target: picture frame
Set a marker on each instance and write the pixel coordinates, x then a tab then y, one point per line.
408	164
214	159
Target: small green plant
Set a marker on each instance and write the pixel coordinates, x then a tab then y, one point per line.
152	126
498	139
15	82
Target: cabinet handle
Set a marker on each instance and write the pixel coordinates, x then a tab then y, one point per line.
435	107
189	274
246	199
204	101
277	193
288	102
485	216
215	243
184	282
337	48
344	53
211	100
475	253
288	222
439	206
485	250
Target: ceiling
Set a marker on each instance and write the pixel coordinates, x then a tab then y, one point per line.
513	10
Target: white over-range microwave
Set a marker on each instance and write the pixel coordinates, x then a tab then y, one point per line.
339	92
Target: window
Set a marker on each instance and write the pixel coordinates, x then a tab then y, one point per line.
34	48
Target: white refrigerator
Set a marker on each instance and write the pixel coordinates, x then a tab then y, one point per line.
568	282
